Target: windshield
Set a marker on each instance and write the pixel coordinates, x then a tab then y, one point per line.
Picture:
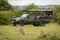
24	15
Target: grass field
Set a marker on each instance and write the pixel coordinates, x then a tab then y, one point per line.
9	32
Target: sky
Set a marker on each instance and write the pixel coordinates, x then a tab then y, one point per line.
36	2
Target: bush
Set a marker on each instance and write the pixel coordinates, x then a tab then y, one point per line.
58	21
48	36
5	17
58	18
17	12
56	14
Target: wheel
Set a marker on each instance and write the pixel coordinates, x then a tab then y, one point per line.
42	23
34	24
21	23
14	24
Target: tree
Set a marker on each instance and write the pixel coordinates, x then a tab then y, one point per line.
57	14
5	13
16	11
5	17
30	6
4	5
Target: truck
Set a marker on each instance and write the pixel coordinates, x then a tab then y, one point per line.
35	19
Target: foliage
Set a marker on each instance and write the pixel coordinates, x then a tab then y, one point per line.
9	32
58	18
57	14
17	12
49	36
5	17
4	5
30	6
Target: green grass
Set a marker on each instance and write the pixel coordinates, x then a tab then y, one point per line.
9	32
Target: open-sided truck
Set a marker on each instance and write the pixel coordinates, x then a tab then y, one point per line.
36	17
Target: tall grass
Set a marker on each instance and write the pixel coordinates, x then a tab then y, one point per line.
9	32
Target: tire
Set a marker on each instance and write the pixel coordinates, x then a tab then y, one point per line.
42	23
21	23
36	24
14	24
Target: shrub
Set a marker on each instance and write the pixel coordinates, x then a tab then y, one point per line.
58	18
48	36
56	14
5	17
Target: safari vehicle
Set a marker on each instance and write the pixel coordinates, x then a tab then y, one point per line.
36	17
